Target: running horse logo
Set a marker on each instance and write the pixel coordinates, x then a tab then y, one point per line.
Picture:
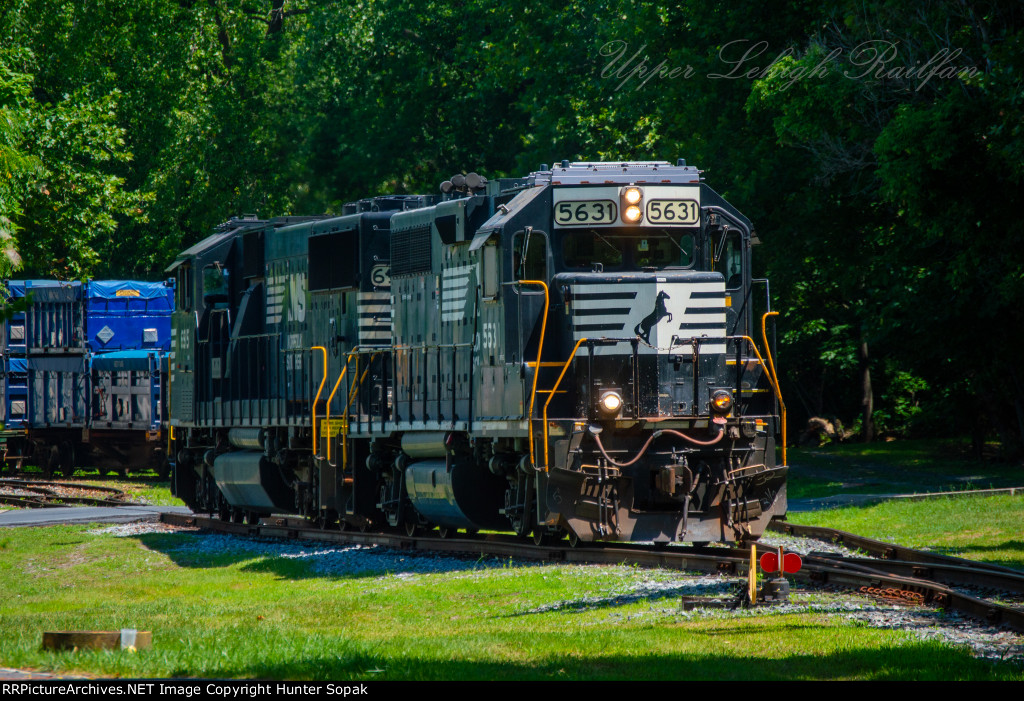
643	329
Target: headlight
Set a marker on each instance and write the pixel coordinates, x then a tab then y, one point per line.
721	401
631	201
610	404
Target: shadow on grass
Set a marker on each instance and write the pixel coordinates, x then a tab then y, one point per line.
972	552
913	661
309	560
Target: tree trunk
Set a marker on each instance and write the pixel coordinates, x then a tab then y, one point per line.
867	397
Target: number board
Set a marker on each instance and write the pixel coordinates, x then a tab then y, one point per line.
673	212
663	205
585	213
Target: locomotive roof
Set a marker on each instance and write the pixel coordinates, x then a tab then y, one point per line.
619	172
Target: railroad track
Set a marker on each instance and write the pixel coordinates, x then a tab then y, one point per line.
907	575
44	493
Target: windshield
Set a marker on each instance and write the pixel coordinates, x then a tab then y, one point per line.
633	249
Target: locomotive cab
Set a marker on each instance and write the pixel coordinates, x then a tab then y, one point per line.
654	418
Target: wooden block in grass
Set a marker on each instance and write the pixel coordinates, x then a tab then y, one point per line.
92	640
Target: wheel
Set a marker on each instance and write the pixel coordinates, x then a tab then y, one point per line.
327	520
237	515
223	509
411	527
445	532
49	459
67	459
574	540
163	469
252	518
540	536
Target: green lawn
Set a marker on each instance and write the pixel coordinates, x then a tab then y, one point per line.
983	528
244	614
897	467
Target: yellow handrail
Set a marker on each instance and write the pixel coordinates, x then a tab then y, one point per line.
337	384
316	438
775	387
552	396
775	376
351	398
536	372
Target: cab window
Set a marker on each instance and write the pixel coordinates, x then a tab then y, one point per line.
530	255
633	249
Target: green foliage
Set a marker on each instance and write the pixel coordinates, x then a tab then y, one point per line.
885	193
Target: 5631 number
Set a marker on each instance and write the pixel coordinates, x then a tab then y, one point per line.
676	212
570	213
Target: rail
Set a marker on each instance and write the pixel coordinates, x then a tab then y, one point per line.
775	377
536	371
316	400
551	396
714	560
330	398
352	395
775	387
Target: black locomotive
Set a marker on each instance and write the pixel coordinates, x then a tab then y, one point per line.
570	353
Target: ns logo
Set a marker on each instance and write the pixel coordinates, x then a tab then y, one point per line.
295	298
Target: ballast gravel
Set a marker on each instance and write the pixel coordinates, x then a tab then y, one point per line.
615	587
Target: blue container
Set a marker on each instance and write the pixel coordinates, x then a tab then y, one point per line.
53	323
128	315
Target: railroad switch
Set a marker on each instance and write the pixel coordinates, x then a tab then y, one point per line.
776	589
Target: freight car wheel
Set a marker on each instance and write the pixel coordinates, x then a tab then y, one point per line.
574	540
67	459
49	457
540	536
445	532
411	528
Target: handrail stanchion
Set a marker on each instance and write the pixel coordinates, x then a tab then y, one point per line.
536	370
775	386
775	376
316	439
552	395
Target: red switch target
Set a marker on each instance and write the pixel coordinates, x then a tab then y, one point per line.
791	562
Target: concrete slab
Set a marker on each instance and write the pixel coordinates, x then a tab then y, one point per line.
85	514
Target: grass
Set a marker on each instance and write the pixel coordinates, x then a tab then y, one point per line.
908	467
241	614
983	528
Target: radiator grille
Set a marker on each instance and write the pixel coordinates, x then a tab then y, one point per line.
410	251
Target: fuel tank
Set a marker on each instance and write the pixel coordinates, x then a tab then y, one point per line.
459	495
250	481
